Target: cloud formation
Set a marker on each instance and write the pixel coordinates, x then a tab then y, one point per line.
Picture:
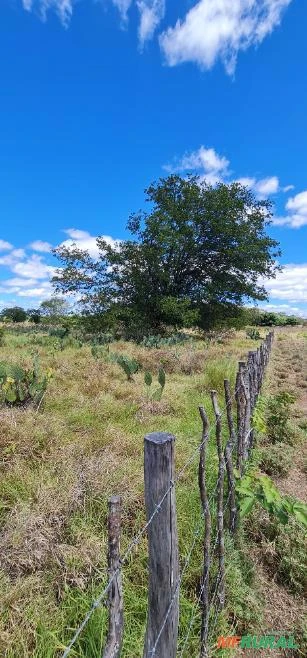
214	168
297	212
289	285
85	241
219	29
41	246
206	161
210	30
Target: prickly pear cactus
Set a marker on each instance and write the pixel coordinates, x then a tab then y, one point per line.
20	385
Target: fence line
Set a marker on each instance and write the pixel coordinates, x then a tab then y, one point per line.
162	622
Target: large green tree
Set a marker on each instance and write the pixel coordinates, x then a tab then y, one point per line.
14	314
194	257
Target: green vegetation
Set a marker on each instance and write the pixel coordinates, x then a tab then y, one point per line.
175	270
157	393
271	416
61	465
20	385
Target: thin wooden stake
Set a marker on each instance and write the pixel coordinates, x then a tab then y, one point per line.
207	535
228	460
115	595
220	512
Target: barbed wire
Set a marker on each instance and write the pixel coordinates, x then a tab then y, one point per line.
136	540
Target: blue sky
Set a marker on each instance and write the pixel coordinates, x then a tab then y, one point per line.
100	97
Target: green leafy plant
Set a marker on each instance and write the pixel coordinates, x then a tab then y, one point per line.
271	416
253	333
21	385
276	459
252	488
59	332
157	393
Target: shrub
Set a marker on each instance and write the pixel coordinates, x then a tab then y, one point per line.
276	459
21	385
277	417
103	339
271	417
59	332
253	333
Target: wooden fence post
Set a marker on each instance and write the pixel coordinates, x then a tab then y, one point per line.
228	460
115	595
163	591
247	409
220	586
207	535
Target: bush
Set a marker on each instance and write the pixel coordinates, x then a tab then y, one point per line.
253	334
271	417
20	385
277	417
276	459
59	332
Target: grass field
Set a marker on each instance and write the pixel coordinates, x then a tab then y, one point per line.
61	462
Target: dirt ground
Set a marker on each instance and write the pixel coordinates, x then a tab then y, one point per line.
283	610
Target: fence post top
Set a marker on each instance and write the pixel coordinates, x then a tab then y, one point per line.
159	437
114	500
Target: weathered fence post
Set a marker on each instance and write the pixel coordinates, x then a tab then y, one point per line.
220	587
228	459
115	595
163	592
247	409
207	535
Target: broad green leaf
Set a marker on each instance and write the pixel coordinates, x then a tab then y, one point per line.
246	505
300	512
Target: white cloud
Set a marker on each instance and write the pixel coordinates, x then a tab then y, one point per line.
297	215
63	8
12	257
219	29
5	246
206	161
289	285
285	308
209	31
33	268
151	14
41	246
262	187
85	241
214	168
123	7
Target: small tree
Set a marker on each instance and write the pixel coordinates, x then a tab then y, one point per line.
34	315
14	314
54	308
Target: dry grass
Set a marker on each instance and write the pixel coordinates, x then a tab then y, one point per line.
60	465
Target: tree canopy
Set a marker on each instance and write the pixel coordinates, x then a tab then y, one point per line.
195	256
14	314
